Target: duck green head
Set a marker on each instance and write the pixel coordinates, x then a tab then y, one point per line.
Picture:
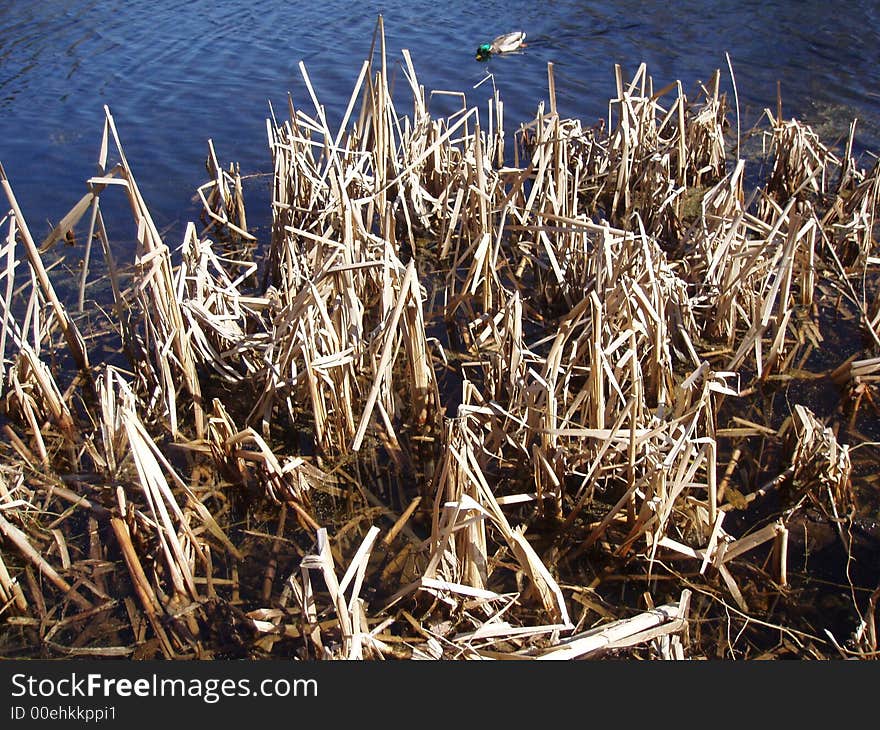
484	51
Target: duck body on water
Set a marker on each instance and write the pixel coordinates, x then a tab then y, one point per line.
502	44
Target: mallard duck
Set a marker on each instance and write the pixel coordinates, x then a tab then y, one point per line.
502	44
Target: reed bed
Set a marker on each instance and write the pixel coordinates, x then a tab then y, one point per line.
552	395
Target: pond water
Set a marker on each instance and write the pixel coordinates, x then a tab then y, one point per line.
175	74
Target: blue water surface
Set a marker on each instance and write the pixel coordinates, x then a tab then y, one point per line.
175	74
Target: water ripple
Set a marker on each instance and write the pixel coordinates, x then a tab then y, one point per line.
176	72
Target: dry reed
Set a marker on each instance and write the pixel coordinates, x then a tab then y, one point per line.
608	303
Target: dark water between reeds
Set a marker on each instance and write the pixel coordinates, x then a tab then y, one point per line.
177	73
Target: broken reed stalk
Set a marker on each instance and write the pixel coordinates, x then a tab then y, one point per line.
19	539
142	587
71	333
163	318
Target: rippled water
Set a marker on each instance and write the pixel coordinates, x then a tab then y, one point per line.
177	73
